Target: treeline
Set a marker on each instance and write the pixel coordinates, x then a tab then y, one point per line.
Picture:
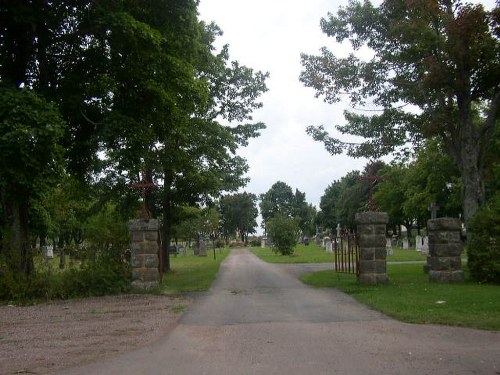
95	96
405	189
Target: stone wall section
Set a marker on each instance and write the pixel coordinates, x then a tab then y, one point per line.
444	263
372	247
144	248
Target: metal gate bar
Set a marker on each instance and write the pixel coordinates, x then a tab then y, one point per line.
346	258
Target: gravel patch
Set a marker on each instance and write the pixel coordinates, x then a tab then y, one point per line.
48	337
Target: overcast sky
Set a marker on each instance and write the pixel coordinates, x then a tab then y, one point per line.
269	35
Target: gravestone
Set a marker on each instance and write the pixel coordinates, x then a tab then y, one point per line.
48	252
418	243
388	246
144	248
406	244
372	247
329	246
445	249
263	242
425	245
339	231
319	241
325	240
202	247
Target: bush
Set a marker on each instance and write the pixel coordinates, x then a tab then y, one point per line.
92	278
484	249
283	231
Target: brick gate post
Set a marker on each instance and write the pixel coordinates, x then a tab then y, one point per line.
144	253
372	247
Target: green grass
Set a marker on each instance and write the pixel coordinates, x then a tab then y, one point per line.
410	297
316	254
301	254
192	273
402	255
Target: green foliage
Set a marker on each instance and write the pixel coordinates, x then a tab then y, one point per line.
411	297
239	213
407	190
484	249
455	42
280	200
284	232
102	276
30	129
346	197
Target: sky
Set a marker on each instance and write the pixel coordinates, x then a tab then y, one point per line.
270	35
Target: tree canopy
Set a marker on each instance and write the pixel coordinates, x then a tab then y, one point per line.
434	71
127	87
239	214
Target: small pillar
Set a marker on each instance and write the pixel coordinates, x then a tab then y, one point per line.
445	248
372	247
144	249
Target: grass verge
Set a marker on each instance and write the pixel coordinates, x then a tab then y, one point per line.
410	297
192	273
316	254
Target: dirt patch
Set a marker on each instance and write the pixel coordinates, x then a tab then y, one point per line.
49	337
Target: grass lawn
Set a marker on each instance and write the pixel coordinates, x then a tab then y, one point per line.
316	254
410	297
402	255
301	254
192	273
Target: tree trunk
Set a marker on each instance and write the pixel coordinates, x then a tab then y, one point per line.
472	182
166	229
16	242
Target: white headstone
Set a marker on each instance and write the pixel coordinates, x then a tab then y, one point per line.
263	242
425	245
406	244
388	243
329	246
48	251
388	246
325	240
418	243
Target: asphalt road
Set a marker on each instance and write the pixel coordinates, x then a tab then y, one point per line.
259	319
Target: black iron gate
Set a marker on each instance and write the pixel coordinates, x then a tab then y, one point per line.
346	254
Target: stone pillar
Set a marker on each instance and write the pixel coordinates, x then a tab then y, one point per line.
144	249
445	248
372	251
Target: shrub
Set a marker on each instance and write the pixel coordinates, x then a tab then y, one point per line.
283	231
484	248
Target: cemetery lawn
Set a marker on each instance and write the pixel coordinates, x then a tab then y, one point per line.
402	255
192	273
410	297
316	254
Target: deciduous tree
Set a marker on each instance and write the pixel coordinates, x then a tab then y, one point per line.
434	71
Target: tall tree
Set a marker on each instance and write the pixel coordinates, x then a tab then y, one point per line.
239	213
279	199
440	56
30	161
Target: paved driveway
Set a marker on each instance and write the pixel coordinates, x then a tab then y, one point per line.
259	319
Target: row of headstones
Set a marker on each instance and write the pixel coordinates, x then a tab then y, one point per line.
421	244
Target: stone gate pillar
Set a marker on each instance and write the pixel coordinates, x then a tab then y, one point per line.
445	248
144	249
372	251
